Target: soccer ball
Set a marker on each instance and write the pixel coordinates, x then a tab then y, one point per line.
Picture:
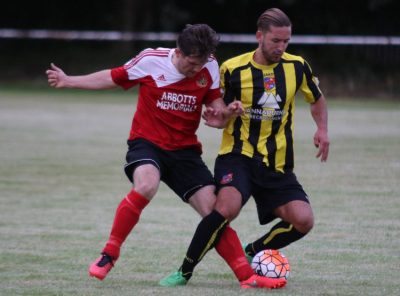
271	263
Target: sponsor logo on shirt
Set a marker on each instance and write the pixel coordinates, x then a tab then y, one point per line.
269	108
177	102
270	101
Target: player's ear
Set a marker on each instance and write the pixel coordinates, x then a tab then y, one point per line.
178	52
259	35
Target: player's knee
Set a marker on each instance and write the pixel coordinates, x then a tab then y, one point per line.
146	189
203	201
230	210
203	208
229	202
297	213
229	213
304	224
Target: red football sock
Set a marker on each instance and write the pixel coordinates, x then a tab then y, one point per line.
126	217
231	250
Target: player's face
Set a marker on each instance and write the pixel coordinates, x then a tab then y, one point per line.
273	43
188	65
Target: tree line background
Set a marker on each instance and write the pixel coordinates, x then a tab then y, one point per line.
345	70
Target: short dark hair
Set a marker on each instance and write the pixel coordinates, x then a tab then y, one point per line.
273	17
198	40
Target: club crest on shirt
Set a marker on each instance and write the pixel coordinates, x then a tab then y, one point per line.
228	178
269	83
202	81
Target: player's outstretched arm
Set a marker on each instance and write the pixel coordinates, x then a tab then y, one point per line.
319	113
97	80
217	114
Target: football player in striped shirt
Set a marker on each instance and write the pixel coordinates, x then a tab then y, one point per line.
256	156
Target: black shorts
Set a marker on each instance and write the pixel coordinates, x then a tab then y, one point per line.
182	170
269	188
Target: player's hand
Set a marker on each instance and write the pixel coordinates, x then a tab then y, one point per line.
219	116
56	77
213	117
236	108
321	141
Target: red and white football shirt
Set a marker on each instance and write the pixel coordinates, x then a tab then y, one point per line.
169	104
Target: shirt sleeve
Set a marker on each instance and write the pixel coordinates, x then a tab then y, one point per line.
214	92
120	76
309	86
225	85
129	74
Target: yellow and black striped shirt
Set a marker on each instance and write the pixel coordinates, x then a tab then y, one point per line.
265	130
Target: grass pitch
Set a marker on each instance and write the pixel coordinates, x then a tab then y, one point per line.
61	178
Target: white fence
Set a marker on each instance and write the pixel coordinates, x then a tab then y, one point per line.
169	36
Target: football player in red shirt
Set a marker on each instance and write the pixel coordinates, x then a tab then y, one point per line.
174	84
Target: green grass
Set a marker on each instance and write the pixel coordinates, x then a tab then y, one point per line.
61	177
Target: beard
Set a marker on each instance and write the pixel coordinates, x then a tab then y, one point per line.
270	57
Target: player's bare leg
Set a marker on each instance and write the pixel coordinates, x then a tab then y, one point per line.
146	179
297	220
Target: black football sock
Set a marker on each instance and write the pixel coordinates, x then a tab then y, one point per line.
205	238
281	235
